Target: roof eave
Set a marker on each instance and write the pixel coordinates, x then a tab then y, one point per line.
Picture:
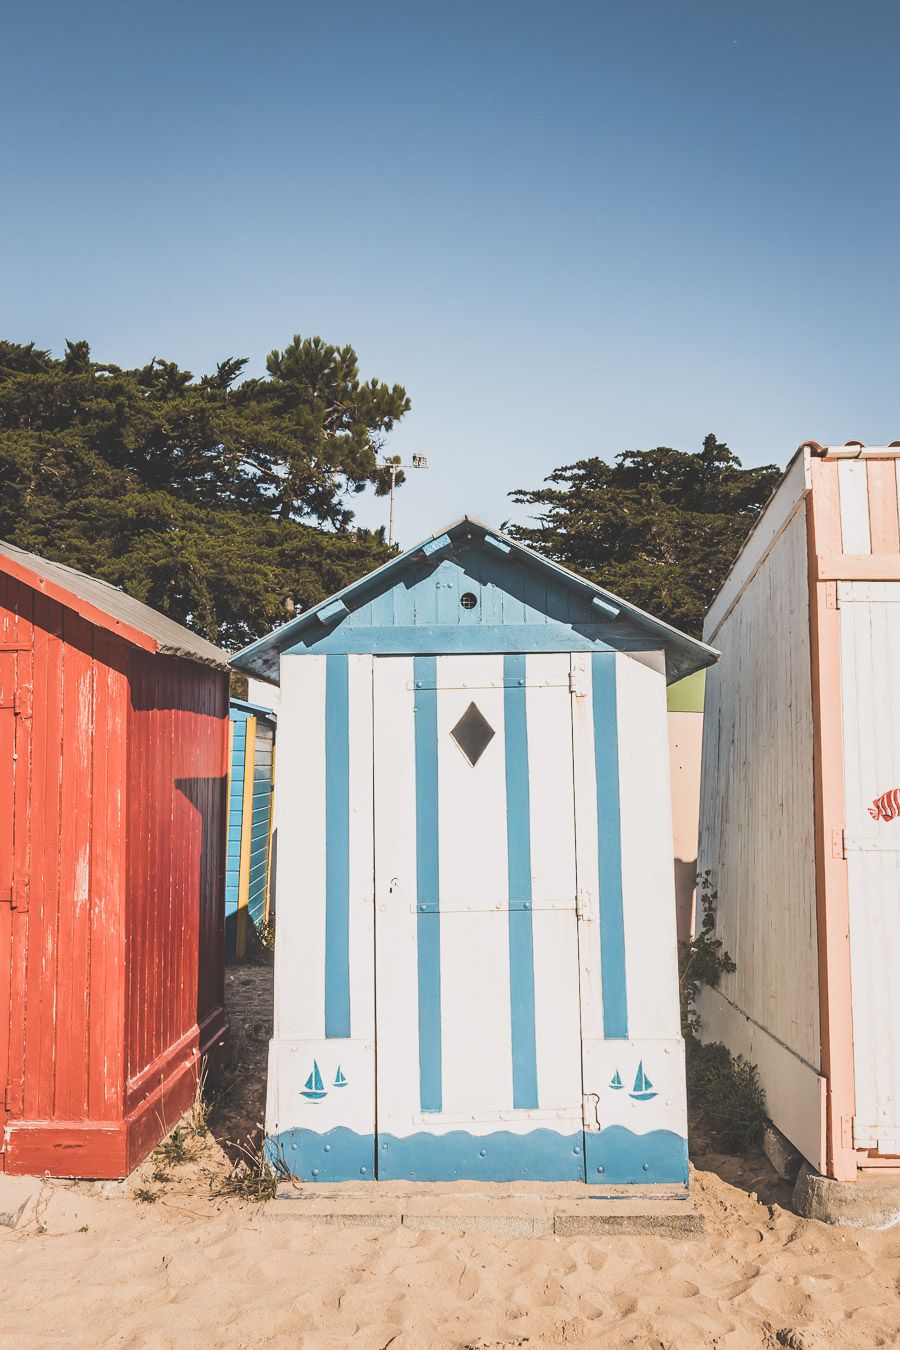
245	659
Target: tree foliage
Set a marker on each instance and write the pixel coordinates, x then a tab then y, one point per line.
658	527
221	501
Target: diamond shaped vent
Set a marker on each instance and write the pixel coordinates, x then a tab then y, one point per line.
473	734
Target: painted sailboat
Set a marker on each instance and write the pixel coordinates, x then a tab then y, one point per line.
643	1089
315	1089
616	1081
339	1079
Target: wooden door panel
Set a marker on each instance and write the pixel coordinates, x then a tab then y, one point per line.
478	1027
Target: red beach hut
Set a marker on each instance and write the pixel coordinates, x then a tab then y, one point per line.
113	745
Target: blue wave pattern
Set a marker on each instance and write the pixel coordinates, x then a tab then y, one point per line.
614	1156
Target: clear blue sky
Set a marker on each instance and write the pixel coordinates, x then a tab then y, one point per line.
568	228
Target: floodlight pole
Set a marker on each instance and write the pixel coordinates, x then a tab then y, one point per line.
394	467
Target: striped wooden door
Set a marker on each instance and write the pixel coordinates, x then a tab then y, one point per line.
478	1022
870	667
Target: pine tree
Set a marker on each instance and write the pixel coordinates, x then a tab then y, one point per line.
222	502
659	527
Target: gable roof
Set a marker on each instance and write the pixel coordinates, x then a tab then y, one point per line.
107	607
684	654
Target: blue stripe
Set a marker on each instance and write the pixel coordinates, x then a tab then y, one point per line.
609	844
518	843
428	919
337	847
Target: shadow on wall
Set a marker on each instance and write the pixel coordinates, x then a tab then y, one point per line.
207	796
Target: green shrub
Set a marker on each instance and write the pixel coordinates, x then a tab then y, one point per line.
725	1092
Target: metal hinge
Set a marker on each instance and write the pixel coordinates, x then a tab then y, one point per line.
838	848
577	682
16	896
590	1110
846	1132
583	905
831	595
22	701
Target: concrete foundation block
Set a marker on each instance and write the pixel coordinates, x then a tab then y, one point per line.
339	1219
16	1195
872	1201
526	1211
683	1223
781	1153
496	1225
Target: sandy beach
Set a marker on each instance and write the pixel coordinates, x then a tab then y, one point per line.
189	1268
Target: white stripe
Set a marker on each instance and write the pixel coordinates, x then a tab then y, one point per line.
586	849
556	985
300	820
475	1016
648	884
362	899
395	896
854	489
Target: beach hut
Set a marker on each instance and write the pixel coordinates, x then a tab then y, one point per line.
251	777
113	738
475	968
800	816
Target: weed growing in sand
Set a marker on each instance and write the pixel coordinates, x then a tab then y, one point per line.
145	1196
196	1120
253	1176
161	1176
178	1147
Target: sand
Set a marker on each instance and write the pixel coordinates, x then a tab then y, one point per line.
189	1269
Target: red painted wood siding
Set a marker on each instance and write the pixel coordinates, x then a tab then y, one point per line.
62	768
112	836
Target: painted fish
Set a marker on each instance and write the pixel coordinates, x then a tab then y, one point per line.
887	806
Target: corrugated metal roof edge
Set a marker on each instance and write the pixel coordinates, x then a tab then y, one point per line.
279	637
137	629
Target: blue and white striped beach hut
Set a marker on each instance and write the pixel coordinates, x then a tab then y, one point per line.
475	970
251	782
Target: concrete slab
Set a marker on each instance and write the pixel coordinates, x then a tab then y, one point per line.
16	1195
872	1201
532	1210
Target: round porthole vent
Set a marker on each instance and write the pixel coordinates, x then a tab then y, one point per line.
468	600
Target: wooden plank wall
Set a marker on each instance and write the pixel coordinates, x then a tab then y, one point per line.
62	848
176	856
757	813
